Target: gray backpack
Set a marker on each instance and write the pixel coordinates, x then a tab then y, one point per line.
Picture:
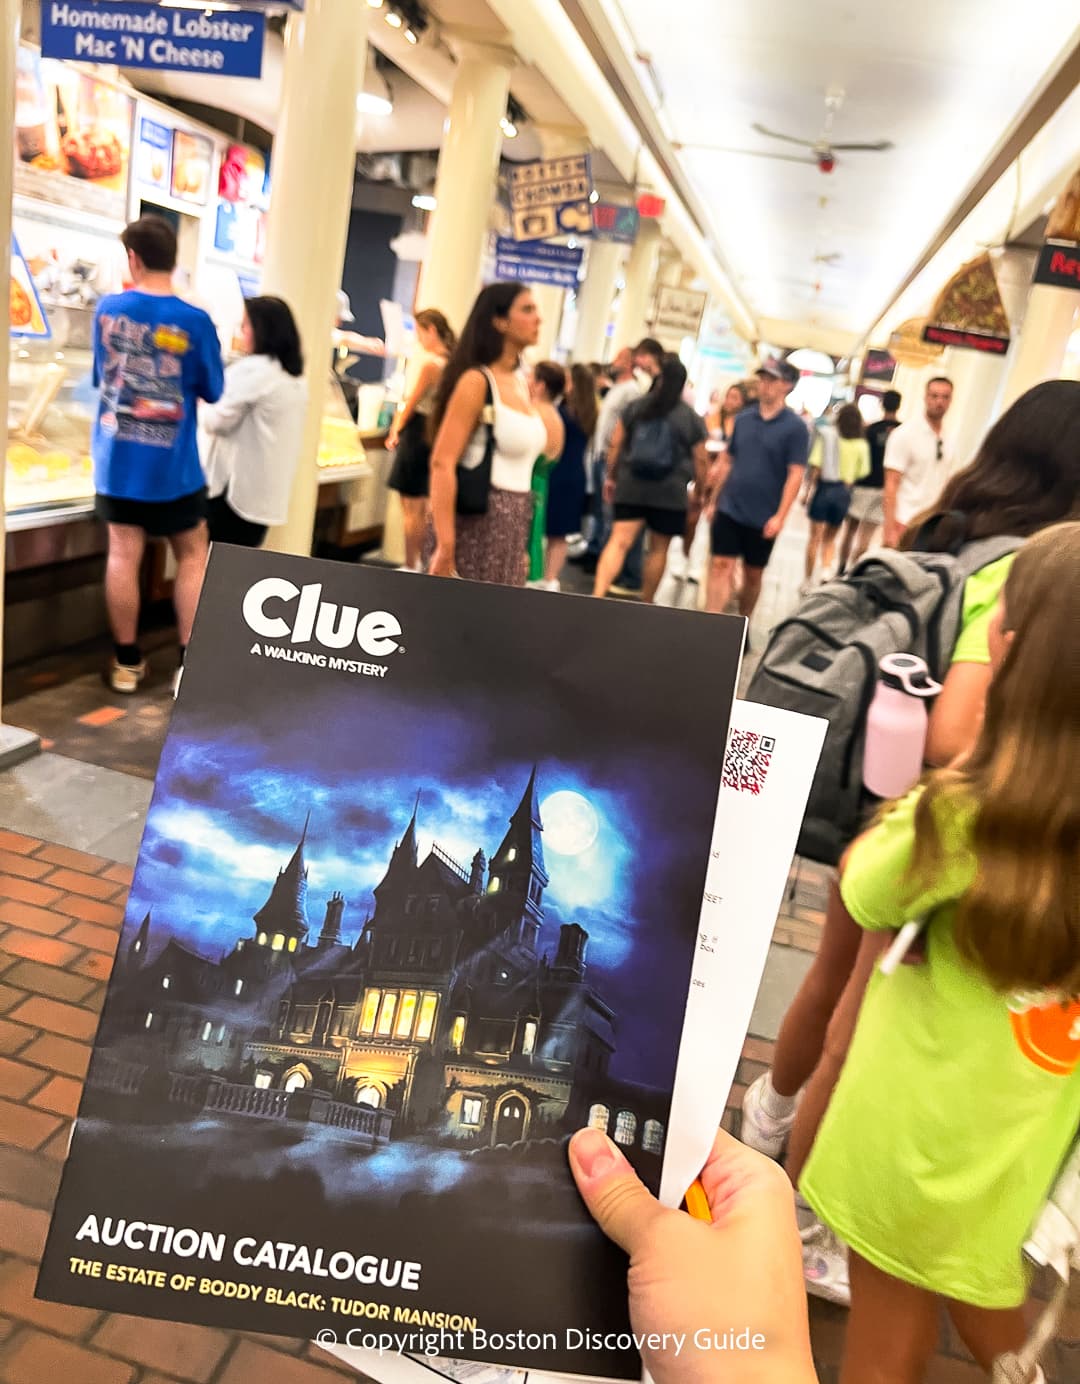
824	659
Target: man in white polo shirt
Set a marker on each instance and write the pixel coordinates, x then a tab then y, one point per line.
918	462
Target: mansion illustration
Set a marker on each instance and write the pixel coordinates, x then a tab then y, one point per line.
445	1019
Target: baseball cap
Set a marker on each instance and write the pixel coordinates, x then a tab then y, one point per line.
344	307
778	370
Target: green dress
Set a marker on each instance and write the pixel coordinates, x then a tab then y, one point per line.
957	1105
541	471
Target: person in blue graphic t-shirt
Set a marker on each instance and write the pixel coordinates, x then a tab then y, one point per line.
759	478
155	357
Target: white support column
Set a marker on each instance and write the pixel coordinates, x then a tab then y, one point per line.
314	167
465	181
1038	352
595	299
640	276
977	382
15	744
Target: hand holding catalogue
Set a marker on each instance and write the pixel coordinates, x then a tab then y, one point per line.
707	1282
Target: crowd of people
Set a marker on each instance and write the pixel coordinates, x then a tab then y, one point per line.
920	1116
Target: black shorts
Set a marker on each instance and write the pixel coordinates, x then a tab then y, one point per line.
730	539
157	518
410	473
226	526
671	523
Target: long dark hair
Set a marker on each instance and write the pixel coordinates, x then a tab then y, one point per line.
581	398
667	388
274	330
1025	476
433	318
479	344
849	422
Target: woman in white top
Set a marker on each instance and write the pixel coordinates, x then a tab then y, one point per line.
408	435
254	430
486	368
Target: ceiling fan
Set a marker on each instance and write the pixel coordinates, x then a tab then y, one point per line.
822	151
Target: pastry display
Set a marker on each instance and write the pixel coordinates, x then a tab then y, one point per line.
21	309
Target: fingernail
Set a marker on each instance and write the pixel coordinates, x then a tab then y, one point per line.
595	1154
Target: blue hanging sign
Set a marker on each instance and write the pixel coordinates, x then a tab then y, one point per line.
226	43
537	263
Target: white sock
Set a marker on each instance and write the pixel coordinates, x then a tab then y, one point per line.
776	1106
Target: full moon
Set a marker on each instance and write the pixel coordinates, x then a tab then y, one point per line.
570	822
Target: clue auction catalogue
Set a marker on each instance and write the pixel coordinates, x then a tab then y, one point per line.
417	897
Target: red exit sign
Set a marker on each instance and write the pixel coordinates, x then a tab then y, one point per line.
648	204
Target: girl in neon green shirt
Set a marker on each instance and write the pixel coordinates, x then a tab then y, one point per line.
960	1096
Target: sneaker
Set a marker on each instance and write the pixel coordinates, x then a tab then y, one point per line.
759	1130
617	589
825	1265
125	677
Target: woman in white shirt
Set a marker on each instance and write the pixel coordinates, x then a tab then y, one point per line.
254	430
483	388
408	435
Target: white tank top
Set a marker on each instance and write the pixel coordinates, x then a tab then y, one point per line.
519	440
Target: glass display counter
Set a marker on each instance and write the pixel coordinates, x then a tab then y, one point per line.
51	407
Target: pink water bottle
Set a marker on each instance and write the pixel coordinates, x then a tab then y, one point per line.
896	726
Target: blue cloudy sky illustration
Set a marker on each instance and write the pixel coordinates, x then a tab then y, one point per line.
236	782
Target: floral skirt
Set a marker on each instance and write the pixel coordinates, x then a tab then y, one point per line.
494	546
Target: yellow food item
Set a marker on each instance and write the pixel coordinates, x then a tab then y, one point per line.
21	458
57	463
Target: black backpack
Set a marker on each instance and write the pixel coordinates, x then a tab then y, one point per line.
824	660
652	449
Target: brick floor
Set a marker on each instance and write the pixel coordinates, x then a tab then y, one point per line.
54	956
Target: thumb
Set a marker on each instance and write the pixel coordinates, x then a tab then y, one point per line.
617	1199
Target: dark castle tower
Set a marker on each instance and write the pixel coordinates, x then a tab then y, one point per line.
476	875
136	953
331	928
401	871
518	876
570	957
282	923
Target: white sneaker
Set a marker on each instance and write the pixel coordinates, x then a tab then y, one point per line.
553	584
760	1130
825	1265
125	677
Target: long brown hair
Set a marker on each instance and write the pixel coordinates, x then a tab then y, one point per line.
433	318
1025	476
1019	922
581	398
481	343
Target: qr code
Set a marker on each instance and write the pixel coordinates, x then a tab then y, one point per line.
746	765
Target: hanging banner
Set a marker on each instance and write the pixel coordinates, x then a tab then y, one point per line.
612	221
678	311
969	312
878	366
554	265
1059	264
123	32
551	197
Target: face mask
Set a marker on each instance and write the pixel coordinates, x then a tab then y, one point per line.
642	378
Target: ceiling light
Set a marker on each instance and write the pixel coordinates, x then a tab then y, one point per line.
394	19
375	4
594	196
410	36
375	97
424	201
508	128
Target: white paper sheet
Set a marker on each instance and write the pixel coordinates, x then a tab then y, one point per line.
772	755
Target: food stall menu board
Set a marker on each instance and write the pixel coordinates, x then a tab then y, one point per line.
72	137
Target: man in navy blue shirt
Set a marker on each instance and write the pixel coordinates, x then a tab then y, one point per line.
760	474
155	357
